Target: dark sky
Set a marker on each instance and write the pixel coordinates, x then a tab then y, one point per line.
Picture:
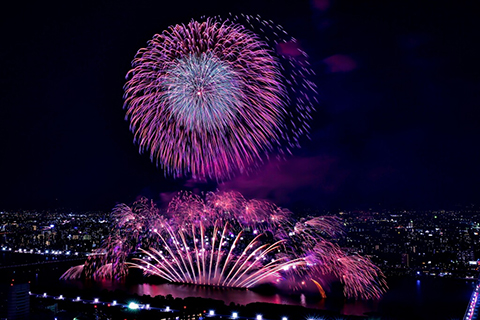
398	122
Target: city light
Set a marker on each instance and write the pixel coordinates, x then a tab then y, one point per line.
411	255
133	306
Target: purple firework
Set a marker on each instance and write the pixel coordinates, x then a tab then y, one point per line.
225	240
212	98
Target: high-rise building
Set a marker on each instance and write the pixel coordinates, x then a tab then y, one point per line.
14	301
405	260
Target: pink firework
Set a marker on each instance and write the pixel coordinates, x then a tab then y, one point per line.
223	239
214	256
212	98
359	276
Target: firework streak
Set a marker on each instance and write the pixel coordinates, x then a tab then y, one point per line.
224	240
213	98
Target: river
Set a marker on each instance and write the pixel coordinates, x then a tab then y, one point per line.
407	298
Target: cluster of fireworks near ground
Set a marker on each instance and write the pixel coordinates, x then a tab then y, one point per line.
212	99
227	241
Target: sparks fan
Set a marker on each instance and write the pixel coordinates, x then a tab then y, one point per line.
225	240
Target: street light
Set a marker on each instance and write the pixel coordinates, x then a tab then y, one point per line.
133	306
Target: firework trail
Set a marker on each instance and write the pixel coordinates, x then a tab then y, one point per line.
215	97
360	277
225	240
227	261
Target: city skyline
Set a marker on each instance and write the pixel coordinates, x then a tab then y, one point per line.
426	256
396	123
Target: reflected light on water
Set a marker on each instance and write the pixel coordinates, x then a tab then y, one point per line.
228	295
242	297
303	300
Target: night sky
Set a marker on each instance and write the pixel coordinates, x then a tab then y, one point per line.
397	124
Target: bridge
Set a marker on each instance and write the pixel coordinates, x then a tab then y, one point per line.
474	304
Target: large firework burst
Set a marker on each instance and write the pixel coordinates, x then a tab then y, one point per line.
212	97
228	241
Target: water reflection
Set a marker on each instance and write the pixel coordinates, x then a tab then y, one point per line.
359	307
407	298
303	300
428	298
237	296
